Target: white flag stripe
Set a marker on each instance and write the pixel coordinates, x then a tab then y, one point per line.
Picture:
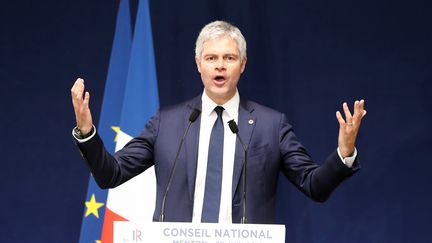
134	199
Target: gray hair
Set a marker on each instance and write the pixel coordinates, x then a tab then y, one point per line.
218	29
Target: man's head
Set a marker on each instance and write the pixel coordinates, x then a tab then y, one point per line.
220	55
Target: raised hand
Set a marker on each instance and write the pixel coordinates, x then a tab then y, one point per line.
80	103
349	128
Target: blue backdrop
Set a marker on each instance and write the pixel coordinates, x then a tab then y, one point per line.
304	58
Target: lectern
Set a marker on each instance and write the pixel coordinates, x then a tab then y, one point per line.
157	232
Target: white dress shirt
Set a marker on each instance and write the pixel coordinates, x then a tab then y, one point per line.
208	118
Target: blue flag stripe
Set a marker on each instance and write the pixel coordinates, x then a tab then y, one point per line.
91	227
141	95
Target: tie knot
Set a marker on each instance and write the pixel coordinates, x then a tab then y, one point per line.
219	110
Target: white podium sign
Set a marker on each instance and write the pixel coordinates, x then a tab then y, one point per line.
197	233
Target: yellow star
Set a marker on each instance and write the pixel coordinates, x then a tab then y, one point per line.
93	206
116	130
98	241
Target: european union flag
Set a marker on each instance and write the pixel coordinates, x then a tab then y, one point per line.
91	228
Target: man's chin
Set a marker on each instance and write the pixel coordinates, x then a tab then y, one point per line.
220	94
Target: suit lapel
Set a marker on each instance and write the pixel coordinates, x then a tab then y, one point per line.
191	146
246	124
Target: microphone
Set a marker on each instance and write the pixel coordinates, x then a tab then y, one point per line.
234	129
192	118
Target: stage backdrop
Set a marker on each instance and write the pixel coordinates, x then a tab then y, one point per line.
304	58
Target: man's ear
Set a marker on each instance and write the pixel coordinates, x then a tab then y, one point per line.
243	64
198	63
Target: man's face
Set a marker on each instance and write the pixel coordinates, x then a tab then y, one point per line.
220	68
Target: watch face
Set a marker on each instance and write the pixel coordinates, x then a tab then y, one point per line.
77	133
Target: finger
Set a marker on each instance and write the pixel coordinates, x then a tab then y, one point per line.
340	118
78	89
360	106
356	107
79	80
86	99
360	111
77	95
78	83
347	112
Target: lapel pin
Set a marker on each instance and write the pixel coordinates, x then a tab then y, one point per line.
251	122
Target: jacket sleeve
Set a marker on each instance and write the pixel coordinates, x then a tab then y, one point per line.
315	181
136	156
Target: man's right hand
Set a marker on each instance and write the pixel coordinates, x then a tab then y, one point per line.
80	103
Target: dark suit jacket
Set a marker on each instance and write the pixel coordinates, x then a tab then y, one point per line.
272	148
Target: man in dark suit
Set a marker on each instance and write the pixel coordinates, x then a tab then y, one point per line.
207	185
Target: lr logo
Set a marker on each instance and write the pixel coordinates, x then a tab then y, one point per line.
136	235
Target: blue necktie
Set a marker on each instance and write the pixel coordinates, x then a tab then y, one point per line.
212	194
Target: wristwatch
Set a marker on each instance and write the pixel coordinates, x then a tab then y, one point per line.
78	134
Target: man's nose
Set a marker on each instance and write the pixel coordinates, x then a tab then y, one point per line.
220	64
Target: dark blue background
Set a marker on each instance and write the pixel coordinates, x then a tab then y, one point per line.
304	58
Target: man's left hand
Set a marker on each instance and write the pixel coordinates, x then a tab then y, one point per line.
349	128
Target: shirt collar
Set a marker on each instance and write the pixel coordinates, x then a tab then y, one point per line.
231	106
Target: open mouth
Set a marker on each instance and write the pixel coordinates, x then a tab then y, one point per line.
219	79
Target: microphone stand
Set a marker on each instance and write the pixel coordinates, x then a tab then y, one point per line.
234	129
192	118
